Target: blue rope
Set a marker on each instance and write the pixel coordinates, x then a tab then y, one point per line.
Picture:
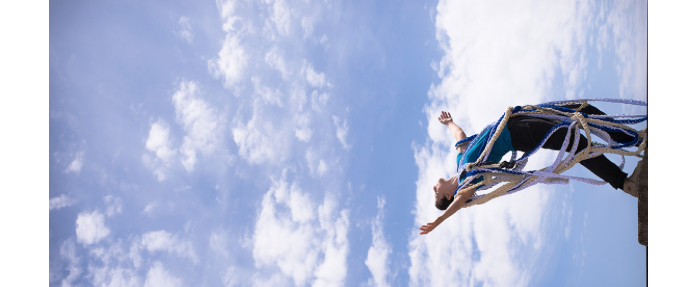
618	101
625	122
460	142
635	136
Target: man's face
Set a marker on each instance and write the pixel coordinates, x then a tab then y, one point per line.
441	189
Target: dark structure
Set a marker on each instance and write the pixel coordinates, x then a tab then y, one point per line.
642	203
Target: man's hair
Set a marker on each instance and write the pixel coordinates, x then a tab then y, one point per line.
443	203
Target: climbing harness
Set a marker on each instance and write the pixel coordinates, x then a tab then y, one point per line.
511	172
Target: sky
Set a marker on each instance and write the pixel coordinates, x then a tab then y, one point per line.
295	143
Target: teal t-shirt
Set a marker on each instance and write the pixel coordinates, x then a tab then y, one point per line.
501	147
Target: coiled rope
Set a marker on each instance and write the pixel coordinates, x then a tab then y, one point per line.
515	179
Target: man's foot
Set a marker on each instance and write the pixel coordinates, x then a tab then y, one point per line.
631	185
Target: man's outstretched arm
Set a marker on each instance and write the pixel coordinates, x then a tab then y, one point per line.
455	206
445	118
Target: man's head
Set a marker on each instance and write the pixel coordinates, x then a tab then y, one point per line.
443	192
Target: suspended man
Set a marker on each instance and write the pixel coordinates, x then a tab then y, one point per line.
528	129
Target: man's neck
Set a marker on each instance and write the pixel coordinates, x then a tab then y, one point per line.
452	184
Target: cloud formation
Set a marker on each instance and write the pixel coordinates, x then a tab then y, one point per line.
342	131
164	241
377	259
230	63
159	143
76	164
185	32
159	276
283	102
114	263
315	79
308	251
114	205
199	120
317	166
60	202
68	253
258	139
90	227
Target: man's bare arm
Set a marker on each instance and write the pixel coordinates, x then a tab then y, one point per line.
455	206
445	118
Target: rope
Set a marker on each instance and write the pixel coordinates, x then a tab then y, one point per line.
575	121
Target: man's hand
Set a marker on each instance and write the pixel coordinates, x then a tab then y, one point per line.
445	118
430	226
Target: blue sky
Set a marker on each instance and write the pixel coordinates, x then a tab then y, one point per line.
238	143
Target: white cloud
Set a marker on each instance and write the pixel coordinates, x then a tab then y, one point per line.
230	63
508	53
90	227
302	128
274	59
217	242
109	266
287	212
567	215
377	259
269	96
233	277
307	24
259	140
227	13
111	263
237	276
335	245
322	167
313	78
185	31
199	120
149	207
342	131
60	202
159	143
155	166
280	16
76	164
164	241
297	254
117	276
297	97
159	276
68	252
114	205
317	166
318	101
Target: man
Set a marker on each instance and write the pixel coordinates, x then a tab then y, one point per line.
524	133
